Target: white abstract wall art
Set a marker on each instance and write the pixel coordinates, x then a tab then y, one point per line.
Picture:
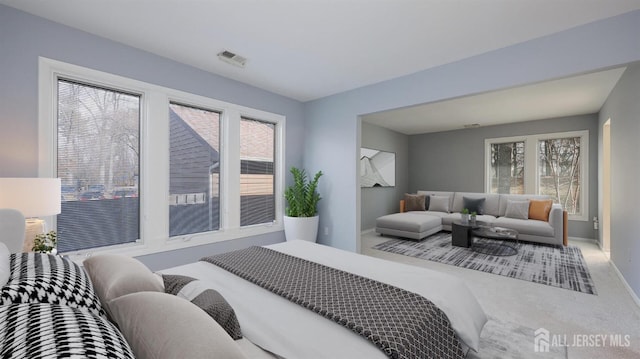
377	168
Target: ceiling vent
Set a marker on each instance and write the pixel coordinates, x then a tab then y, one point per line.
472	125
231	58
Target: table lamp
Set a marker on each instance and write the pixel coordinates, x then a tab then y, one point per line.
34	197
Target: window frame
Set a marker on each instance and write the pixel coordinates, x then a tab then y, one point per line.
531	164
154	157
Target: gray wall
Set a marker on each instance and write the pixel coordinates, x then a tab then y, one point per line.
623	108
454	160
25	37
332	128
379	201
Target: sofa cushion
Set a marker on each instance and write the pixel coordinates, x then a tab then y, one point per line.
409	222
414	202
439	193
473	204
504	198
491	203
525	226
539	210
439	204
517	209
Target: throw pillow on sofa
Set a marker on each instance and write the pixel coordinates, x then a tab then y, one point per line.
539	210
517	209
414	202
439	204
473	204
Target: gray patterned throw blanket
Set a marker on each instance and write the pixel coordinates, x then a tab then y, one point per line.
401	323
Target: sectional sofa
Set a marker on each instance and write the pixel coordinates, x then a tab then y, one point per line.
442	208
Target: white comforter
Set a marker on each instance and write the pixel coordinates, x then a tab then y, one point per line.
291	331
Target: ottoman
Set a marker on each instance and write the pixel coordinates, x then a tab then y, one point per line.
413	225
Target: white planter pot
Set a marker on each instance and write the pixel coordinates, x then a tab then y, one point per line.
303	228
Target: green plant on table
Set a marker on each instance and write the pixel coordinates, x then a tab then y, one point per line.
302	196
45	243
465	211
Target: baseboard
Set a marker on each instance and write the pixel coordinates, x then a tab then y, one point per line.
625	284
367	231
582	239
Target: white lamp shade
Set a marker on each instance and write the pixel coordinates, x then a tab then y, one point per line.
34	197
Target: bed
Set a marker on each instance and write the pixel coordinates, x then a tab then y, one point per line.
116	307
288	330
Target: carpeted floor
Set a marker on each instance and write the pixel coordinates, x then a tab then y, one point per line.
501	340
562	267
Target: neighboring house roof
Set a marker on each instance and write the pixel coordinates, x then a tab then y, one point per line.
259	148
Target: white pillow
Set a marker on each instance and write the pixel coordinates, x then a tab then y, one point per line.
5	265
439	204
517	209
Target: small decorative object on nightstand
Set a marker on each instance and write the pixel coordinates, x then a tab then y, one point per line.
46	243
472	219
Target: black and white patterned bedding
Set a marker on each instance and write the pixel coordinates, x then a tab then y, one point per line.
401	323
40	330
43	278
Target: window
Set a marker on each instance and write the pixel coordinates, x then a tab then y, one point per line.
146	168
551	164
98	154
257	144
194	170
559	171
507	167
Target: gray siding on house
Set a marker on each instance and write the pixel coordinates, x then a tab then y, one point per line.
454	160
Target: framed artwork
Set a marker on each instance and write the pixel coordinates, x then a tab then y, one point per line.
377	168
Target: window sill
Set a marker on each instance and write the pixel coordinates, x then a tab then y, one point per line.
158	245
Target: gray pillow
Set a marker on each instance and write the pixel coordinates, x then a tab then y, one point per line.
206	299
517	209
161	325
473	204
439	204
116	275
414	202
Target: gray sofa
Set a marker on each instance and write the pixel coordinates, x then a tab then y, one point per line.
420	224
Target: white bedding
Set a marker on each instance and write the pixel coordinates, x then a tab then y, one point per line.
291	331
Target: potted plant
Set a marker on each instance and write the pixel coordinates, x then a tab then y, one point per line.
301	219
46	243
465	216
472	218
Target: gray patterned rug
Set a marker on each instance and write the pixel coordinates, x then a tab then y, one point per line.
562	267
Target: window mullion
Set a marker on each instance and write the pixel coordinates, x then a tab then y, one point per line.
230	185
154	170
530	165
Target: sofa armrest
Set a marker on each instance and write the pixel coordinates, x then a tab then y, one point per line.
402	206
556	220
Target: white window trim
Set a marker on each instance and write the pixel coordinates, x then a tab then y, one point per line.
154	158
531	164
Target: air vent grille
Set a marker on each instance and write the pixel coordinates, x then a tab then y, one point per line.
232	58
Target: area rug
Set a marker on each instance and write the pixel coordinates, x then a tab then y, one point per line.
562	267
501	340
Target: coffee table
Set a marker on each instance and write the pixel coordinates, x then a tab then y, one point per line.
501	248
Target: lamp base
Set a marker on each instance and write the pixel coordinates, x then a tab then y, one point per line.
33	227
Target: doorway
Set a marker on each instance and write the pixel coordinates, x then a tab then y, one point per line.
606	187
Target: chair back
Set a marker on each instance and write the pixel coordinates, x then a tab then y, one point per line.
12	227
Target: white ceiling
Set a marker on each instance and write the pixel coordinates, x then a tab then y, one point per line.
307	49
577	95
